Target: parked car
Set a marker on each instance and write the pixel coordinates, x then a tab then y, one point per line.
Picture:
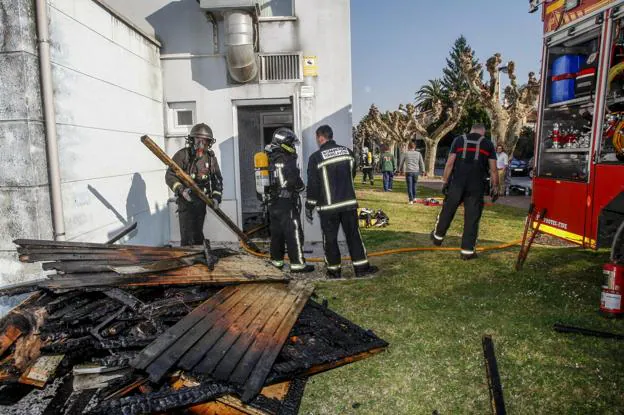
519	167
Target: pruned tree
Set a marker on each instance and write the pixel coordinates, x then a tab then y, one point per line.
410	121
509	117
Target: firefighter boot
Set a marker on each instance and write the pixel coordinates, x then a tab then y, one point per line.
468	257
334	274
301	269
434	239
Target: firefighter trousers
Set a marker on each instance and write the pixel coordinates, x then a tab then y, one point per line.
330	224
191	216
367	173
472	198
285	217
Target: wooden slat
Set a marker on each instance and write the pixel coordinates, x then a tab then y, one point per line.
170	357
41	371
164	341
262	340
40	243
243	341
225	325
8	337
257	378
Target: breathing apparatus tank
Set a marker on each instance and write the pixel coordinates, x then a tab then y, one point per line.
263	180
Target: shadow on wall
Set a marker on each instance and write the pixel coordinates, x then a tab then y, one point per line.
183	28
150	225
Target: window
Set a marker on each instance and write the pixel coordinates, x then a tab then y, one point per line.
276	8
180	117
611	148
567	121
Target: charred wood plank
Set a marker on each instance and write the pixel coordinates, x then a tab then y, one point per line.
167	339
234	321
73	245
258	376
493	377
158	266
242	342
162	401
234	304
8	337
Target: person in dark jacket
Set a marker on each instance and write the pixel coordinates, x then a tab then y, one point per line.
285	202
331	171
471	159
199	161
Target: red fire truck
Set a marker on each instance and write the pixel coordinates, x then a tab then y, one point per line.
579	163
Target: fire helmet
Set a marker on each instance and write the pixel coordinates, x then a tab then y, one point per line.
201	132
285	138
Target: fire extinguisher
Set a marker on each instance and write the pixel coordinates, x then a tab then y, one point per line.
613	288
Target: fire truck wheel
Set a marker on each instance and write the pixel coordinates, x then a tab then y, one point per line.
617	249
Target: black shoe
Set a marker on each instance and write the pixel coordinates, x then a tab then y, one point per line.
366	272
468	257
436	241
334	275
304	270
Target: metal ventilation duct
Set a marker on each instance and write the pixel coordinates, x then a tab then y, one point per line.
239	38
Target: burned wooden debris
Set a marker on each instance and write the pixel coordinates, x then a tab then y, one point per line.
111	342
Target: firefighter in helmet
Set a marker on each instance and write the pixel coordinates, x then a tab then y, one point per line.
284	202
471	160
331	171
199	161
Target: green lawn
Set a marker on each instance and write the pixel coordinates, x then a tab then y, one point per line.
433	309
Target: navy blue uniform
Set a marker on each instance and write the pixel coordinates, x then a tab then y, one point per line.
331	172
467	185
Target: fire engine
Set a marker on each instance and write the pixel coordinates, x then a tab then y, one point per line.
578	182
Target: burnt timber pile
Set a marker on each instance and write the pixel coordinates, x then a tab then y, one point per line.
117	329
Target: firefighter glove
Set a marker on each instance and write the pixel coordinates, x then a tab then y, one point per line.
215	203
184	192
494	195
309	215
445	189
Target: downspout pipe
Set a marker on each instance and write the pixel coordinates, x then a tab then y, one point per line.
49	118
241	57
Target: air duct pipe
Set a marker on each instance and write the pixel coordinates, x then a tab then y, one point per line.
241	57
49	117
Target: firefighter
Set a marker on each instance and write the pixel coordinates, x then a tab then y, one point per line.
367	166
199	161
471	159
285	203
331	172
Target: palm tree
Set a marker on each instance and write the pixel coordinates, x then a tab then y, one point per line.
429	93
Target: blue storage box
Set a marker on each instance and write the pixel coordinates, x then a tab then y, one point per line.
563	71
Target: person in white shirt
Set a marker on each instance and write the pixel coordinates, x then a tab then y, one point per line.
502	163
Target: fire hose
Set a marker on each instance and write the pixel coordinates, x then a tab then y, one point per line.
386	252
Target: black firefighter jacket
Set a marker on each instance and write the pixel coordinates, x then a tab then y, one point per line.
286	177
330	179
204	170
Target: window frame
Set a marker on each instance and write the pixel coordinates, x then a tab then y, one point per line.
291	17
173	108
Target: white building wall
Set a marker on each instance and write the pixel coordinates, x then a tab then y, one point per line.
108	92
195	71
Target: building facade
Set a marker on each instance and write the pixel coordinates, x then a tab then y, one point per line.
122	69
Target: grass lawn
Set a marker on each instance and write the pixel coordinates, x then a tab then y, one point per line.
433	309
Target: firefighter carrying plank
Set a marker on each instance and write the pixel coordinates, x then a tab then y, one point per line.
284	202
331	171
199	161
471	159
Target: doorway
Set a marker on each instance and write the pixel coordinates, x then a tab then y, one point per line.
256	125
